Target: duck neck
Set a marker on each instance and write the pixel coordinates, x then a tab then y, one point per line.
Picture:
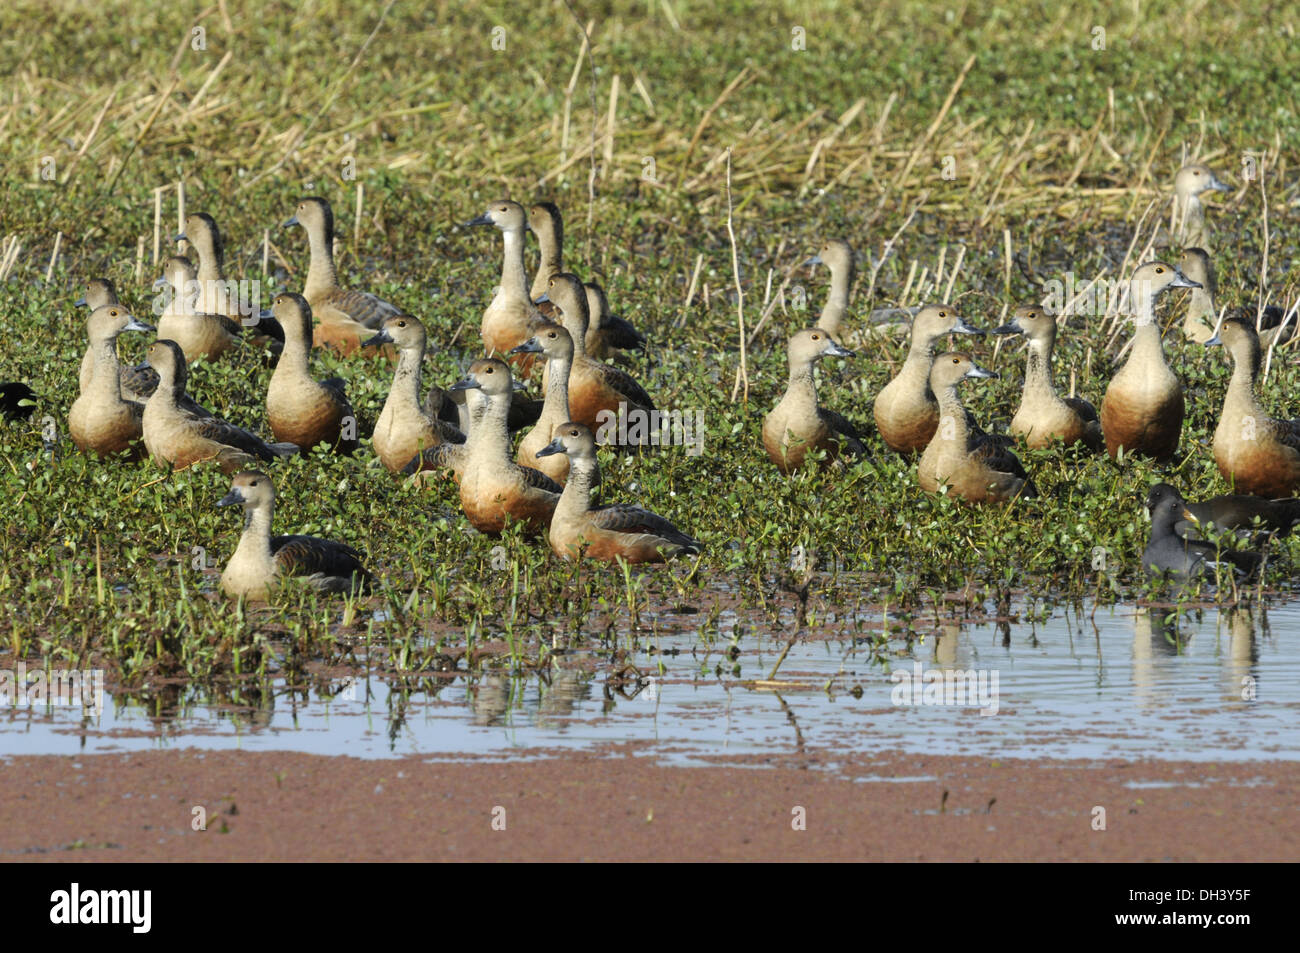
1201	306
296	350
210	263
576	498
1191	217
555	406
837	302
255	541
490	434
801	385
576	320
952	416
321	276
550	261
106	381
406	379
514	281
1038	371
1245	372
1147	348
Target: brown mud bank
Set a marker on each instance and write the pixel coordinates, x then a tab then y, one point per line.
619	803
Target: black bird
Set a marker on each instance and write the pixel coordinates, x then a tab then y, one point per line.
1180	558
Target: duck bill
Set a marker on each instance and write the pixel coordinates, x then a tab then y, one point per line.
531	346
135	324
544	298
82	302
834	350
961	327
469	383
233	498
1215	341
552	448
1217	185
981	372
180	237
814	260
484	219
381	338
1182	281
292	220
1011	328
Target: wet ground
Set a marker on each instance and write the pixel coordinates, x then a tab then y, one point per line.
1110	683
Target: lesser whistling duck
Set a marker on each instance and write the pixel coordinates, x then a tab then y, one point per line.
906	410
798	424
404	428
178	438
1142	411
604	532
138	381
1189	213
976	467
546	222
213	290
556	346
300	409
837	255
101	420
1178	557
607	333
345	316
1244	516
17	400
1255	453
259	558
1044	416
493	488
511	318
596	390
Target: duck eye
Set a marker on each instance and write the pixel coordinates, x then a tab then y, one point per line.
401	324
943	314
816	337
1160	271
113	312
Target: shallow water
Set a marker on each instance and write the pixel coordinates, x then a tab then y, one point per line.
1227	687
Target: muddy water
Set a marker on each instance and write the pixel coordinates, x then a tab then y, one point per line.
1117	682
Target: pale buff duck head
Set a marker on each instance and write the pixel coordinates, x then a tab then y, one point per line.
1196	265
552	341
1031	320
251	490
488	375
836	254
1150	281
167	358
402	331
1195	179
951	368
936	320
572	439
108	321
201	231
812	344
294	314
99	292
504	214
315	216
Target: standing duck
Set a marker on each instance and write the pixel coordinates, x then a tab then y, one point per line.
976	467
259	558
493	488
798	424
301	410
837	255
101	420
618	530
345	316
405	428
1142	411
596	390
511	318
178	438
1044	416
1176	557
554	344
906	410
1255	453
1190	183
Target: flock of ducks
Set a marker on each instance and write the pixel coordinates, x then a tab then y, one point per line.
561	330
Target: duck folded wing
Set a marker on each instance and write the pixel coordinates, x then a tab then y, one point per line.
141	380
336	388
619	333
540	481
363	307
219	431
444	456
1286	432
993	452
623	382
840	425
438	405
330	564
627	518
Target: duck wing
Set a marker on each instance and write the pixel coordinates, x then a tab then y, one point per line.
620	333
329	562
627	518
223	432
540	481
621	381
362	307
843	427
